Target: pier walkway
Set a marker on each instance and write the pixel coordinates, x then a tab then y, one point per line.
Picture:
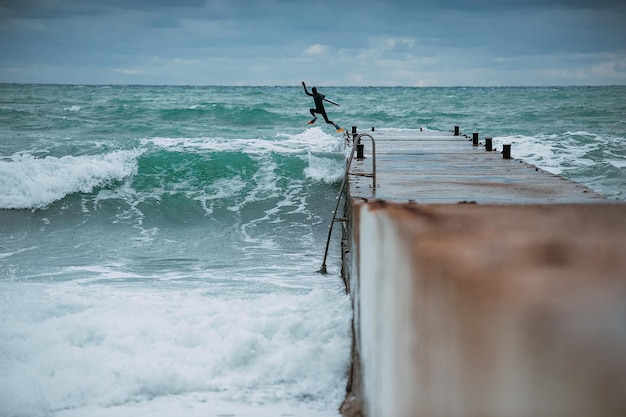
481	286
436	167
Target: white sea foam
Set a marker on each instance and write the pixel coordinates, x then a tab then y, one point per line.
621	164
219	190
311	140
552	152
30	182
324	169
540	153
7	254
106	351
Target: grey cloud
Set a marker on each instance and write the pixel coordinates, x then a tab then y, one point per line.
231	36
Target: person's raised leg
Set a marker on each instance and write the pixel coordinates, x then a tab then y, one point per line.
330	122
314	116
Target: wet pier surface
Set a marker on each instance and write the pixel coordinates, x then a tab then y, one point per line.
511	306
435	167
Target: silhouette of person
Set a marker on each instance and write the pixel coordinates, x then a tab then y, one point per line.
319	107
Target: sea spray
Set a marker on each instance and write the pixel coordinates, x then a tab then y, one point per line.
27	181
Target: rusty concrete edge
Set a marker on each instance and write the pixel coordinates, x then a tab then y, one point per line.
353	404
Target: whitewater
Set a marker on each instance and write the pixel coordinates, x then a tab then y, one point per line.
159	245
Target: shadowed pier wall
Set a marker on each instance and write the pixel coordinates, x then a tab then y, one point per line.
513	306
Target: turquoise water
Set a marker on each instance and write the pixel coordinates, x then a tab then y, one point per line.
159	245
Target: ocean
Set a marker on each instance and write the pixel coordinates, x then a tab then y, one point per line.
159	245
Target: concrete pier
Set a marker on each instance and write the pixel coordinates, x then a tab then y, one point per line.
481	286
435	167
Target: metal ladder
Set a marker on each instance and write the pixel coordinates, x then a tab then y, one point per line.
356	144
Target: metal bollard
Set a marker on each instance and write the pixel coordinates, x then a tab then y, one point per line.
506	151
456	131
475	139
488	144
360	150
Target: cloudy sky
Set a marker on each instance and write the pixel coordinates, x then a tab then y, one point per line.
324	42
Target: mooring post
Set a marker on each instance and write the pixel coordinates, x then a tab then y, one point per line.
488	144
475	139
456	131
354	132
506	151
373	128
360	150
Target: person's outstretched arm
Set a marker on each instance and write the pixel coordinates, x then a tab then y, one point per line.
305	90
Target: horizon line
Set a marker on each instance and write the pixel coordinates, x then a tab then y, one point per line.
300	86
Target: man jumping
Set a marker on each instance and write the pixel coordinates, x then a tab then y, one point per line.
319	107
